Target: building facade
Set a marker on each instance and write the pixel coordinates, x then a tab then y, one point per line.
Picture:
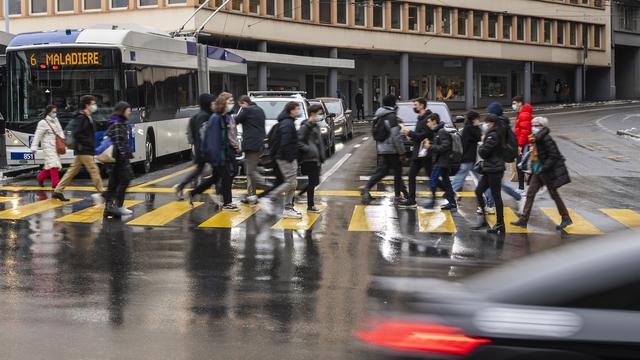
626	48
467	53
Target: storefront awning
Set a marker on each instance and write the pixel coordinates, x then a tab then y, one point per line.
284	59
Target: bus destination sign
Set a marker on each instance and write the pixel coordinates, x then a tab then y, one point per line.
45	59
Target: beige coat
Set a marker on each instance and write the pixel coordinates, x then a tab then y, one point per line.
46	138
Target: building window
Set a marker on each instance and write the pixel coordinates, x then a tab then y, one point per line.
325	12
38	6
628	19
520	28
288	9
378	13
493	25
449	88
446	21
535	26
573	34
478	23
237	5
254	6
493	86
463	21
597	3
361	12
147	2
547	31
413	18
507	27
176	2
305	9
271	7
92	4
430	19
560	32
119	4
64	5
396	15
585	2
341	17
597	36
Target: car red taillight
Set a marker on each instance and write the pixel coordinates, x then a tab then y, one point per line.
416	336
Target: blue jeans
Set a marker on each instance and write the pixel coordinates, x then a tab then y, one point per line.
508	189
461	176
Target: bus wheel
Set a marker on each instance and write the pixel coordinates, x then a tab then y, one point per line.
150	155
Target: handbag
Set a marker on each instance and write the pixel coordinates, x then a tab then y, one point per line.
61	147
106	157
423	151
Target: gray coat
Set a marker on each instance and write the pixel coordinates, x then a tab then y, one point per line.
393	144
310	143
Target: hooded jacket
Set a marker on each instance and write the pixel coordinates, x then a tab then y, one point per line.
195	123
553	170
491	150
287	142
442	146
523	124
393	144
252	119
215	143
310	143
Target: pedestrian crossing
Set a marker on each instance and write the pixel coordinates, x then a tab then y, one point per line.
363	218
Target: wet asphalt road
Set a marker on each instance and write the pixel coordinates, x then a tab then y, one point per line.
109	290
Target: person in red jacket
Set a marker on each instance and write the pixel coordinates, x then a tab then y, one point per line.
522	129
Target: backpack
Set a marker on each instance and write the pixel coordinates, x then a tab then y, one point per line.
380	130
456	147
69	134
270	148
510	148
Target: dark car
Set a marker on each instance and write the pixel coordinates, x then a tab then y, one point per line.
580	301
343	120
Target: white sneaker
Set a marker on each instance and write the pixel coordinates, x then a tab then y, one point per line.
124	211
266	205
252	199
291	214
98	199
217	199
489	210
179	192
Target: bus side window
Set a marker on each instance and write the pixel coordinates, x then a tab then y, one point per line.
132	96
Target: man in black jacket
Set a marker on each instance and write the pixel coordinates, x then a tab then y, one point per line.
419	160
193	134
441	149
471	135
360	104
84	132
252	119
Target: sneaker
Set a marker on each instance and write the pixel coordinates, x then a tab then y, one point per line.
252	200
59	196
489	210
98	199
429	206
230	207
450	207
519	223
188	197
397	200
124	211
498	229
479	211
365	197
291	214
217	199
564	224
179	192
266	205
313	209
408	204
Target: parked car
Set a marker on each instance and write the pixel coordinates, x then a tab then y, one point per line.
343	120
326	128
580	301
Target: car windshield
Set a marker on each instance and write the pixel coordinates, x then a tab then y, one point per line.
273	108
410	118
334	107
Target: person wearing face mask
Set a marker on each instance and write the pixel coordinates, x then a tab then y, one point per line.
522	130
419	159
311	150
45	136
219	153
441	148
549	169
286	155
471	134
84	133
121	172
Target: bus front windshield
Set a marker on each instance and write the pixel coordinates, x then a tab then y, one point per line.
61	77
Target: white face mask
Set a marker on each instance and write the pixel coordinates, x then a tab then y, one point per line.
229	108
485	127
319	117
93	108
515	107
535	130
53	115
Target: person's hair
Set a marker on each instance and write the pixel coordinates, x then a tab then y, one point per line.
291	105
120	108
86	100
518	99
49	109
540	120
314	109
435	117
472	115
389	100
493	118
421	101
244	99
220	105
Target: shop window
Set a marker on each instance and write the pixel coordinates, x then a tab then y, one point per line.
560	32
119	4
446	21
539	85
449	88
430	19
176	2
463	21
520	28
478	23
507	27
64	5
305	9
288	9
325	12
271	7
237	5
547	31
413	18
361	12
147	2
493	25
396	15
597	37
493	86
573	34
254	6
535	26
38	7
378	13
92	5
341	17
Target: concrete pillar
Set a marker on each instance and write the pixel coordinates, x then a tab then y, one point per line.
527	81
262	69
404	76
578	86
333	74
469	87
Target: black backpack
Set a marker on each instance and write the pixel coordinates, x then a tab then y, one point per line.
271	144
380	130
510	148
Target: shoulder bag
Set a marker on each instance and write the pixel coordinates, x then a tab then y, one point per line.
61	147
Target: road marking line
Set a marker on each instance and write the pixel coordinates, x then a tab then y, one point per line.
93	213
307	221
357	146
580	225
9	198
365	138
626	217
430	221
334	168
509	216
23	211
164	178
370	218
164	214
230	219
